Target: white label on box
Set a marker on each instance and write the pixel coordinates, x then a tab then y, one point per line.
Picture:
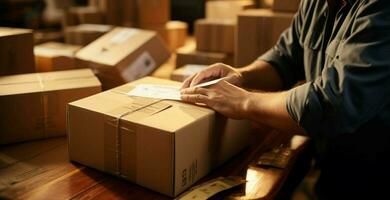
156	91
141	67
123	36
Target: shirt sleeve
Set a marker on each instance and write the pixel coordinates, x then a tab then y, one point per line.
287	55
355	86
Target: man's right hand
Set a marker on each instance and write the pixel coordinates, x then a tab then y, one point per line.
215	71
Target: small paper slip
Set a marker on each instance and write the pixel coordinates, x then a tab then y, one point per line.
209	83
156	91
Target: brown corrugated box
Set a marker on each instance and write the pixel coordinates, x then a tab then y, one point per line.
177	32
113	10
16	51
84	34
82	15
54	56
162	145
258	30
189	55
153	12
227	9
123	55
186	71
286	5
33	106
215	35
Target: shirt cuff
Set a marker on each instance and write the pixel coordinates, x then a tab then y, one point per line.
303	106
279	62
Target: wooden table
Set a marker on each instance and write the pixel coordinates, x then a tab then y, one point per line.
41	170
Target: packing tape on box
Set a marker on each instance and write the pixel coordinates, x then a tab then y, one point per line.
118	139
211	188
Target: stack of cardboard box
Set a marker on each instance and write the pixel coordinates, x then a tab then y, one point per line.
84	34
54	56
16	51
33	106
82	15
227	9
123	55
259	29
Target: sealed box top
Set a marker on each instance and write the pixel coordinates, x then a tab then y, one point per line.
115	46
48	81
161	115
5	31
54	49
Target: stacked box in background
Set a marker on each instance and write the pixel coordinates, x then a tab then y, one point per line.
186	71
54	56
176	36
16	51
82	15
215	35
258	30
162	145
189	55
286	5
227	9
84	34
123	55
33	106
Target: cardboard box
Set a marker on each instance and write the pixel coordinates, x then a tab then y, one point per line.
177	32
82	15
160	29
258	30
113	10
189	55
54	56
286	5
215	35
33	106
165	145
16	51
227	9
84	34
186	71
43	36
123	55
153	11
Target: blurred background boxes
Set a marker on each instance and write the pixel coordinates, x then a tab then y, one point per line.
189	55
258	30
54	56
215	35
16	51
82	15
286	5
123	55
186	71
84	34
33	106
227	9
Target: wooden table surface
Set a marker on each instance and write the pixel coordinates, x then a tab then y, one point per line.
41	170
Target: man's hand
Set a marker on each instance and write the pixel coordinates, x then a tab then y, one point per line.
223	97
212	72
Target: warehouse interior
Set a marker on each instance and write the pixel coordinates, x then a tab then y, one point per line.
79	120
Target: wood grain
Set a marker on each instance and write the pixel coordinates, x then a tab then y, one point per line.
41	170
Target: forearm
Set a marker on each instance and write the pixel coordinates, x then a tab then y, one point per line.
270	109
261	75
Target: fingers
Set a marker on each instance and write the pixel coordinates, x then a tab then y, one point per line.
195	95
195	98
187	82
